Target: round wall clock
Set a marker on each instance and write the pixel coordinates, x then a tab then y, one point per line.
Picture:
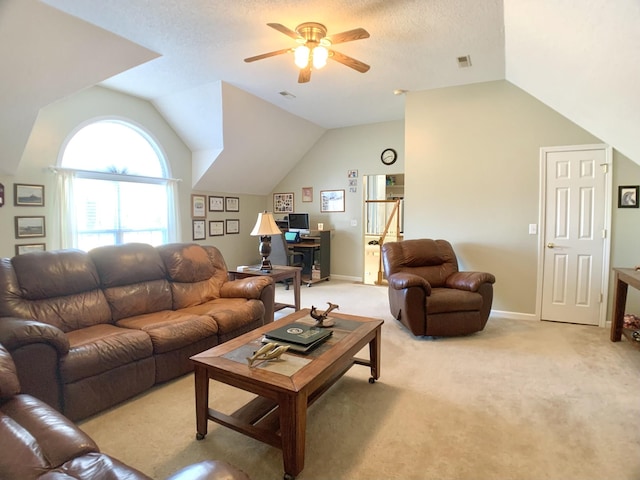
389	156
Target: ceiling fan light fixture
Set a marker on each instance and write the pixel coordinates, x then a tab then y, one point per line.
320	56
301	56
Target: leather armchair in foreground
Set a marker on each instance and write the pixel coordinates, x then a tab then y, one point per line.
37	442
429	295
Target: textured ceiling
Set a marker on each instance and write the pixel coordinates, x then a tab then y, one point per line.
413	46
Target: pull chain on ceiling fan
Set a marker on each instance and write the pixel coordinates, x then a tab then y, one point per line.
315	48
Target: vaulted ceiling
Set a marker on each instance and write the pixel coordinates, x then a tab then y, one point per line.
577	56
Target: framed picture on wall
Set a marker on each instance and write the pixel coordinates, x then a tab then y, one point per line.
198	206
232	204
28	195
332	201
628	196
27	227
216	228
283	203
216	204
233	226
199	232
30	247
307	194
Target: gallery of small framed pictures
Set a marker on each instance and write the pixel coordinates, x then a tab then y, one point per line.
29	226
216	227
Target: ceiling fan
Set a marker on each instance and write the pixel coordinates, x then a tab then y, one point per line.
315	48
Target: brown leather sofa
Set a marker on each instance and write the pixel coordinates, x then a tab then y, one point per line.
89	330
429	295
37	442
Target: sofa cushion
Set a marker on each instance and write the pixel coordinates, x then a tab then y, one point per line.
186	262
43	275
442	299
138	298
57	287
230	314
101	348
134	279
127	264
433	260
170	330
196	273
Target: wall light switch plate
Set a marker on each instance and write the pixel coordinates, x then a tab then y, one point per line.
533	229
354	222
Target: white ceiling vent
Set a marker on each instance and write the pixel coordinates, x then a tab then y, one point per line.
287	95
464	62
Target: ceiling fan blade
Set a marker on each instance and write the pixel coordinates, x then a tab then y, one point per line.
282	29
305	74
267	55
348	61
349	36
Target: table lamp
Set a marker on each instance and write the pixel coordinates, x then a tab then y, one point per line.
264	228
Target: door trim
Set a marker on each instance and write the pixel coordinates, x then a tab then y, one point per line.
606	253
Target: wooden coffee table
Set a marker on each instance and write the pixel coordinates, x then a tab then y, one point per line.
285	388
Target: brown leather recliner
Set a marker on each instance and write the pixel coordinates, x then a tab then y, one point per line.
429	295
37	442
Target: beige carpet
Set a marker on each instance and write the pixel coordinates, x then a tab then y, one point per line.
520	400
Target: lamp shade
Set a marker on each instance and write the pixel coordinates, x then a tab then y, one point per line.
265	225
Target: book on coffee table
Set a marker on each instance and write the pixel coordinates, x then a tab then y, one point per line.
299	337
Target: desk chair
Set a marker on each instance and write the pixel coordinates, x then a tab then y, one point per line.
281	255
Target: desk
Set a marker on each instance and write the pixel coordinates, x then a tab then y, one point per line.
316	252
624	278
278	273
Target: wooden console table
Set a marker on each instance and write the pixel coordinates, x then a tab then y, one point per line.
624	278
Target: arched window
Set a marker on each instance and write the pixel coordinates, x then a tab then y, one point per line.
115	187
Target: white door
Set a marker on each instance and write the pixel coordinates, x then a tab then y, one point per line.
575	249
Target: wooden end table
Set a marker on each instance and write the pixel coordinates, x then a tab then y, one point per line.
624	278
279	273
285	389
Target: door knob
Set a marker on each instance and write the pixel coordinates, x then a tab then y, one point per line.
550	245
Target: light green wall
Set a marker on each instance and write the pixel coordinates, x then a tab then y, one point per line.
57	121
472	177
325	167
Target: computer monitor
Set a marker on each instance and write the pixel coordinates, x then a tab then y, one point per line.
299	222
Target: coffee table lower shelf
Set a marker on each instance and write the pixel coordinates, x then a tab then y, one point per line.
260	417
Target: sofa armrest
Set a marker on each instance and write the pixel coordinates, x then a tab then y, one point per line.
256	287
19	332
402	280
249	287
470	281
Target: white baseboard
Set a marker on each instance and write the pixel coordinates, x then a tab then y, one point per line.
346	278
513	315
